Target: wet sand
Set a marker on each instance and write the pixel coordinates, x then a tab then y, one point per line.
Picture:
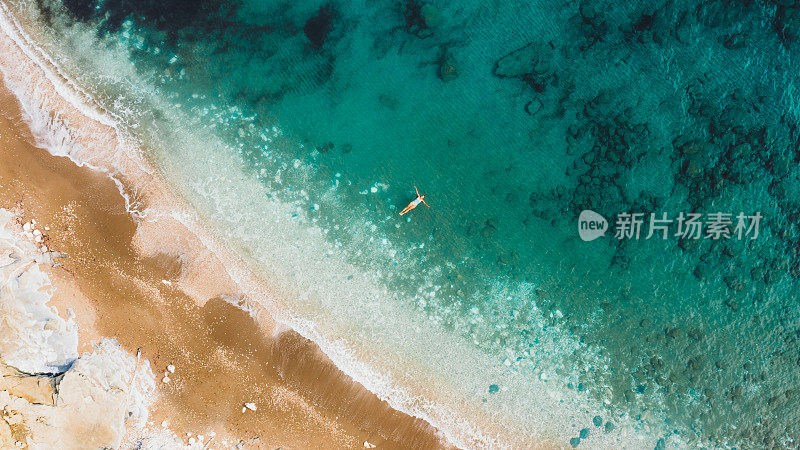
222	355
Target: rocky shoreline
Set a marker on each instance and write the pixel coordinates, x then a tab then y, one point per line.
49	395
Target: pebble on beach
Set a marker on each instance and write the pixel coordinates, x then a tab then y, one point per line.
250	406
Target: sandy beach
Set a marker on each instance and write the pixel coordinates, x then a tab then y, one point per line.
223	357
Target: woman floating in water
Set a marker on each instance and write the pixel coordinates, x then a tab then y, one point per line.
415	203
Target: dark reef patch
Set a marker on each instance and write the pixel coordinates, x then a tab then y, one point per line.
318	27
170	16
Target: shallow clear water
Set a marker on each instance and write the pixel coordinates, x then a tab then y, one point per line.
511	118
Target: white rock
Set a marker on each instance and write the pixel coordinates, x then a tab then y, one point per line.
34	338
27	226
165	379
97	398
368	444
171	368
250	406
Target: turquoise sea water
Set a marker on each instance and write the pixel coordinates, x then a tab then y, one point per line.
512	118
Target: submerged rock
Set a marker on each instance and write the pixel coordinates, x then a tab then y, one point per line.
431	16
532	62
734	283
448	70
787	23
318	27
587	11
533	107
732	303
701	271
735	41
781	165
420	18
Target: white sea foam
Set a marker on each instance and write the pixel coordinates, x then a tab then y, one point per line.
363	327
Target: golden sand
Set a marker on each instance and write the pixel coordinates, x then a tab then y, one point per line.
223	357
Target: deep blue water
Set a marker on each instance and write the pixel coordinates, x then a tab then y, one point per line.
512	118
